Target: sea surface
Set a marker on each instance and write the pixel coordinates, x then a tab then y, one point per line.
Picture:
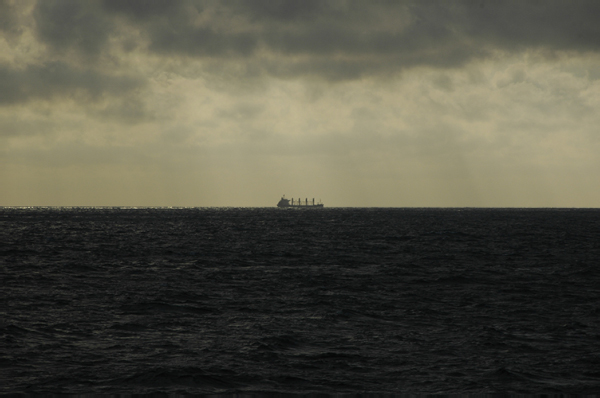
300	301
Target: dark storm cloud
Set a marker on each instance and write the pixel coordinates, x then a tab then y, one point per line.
333	39
282	10
59	80
9	24
145	9
433	26
171	28
340	69
553	25
200	42
72	24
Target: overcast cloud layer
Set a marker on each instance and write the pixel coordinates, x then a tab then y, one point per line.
357	103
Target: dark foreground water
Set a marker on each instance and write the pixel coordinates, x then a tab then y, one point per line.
223	301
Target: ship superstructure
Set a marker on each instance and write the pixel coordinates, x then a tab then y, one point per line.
298	203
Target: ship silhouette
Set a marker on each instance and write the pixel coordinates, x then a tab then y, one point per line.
298	203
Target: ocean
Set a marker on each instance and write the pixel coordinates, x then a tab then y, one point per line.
267	301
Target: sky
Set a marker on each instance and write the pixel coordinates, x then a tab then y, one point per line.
354	103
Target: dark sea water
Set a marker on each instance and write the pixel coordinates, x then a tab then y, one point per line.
332	301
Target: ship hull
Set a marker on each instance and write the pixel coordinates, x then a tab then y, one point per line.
300	206
285	203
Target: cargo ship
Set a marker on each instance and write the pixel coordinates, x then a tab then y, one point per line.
298	203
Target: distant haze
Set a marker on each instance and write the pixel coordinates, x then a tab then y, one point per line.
356	103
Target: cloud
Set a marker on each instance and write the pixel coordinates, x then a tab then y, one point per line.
57	79
184	28
143	10
334	40
551	25
9	19
72	24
